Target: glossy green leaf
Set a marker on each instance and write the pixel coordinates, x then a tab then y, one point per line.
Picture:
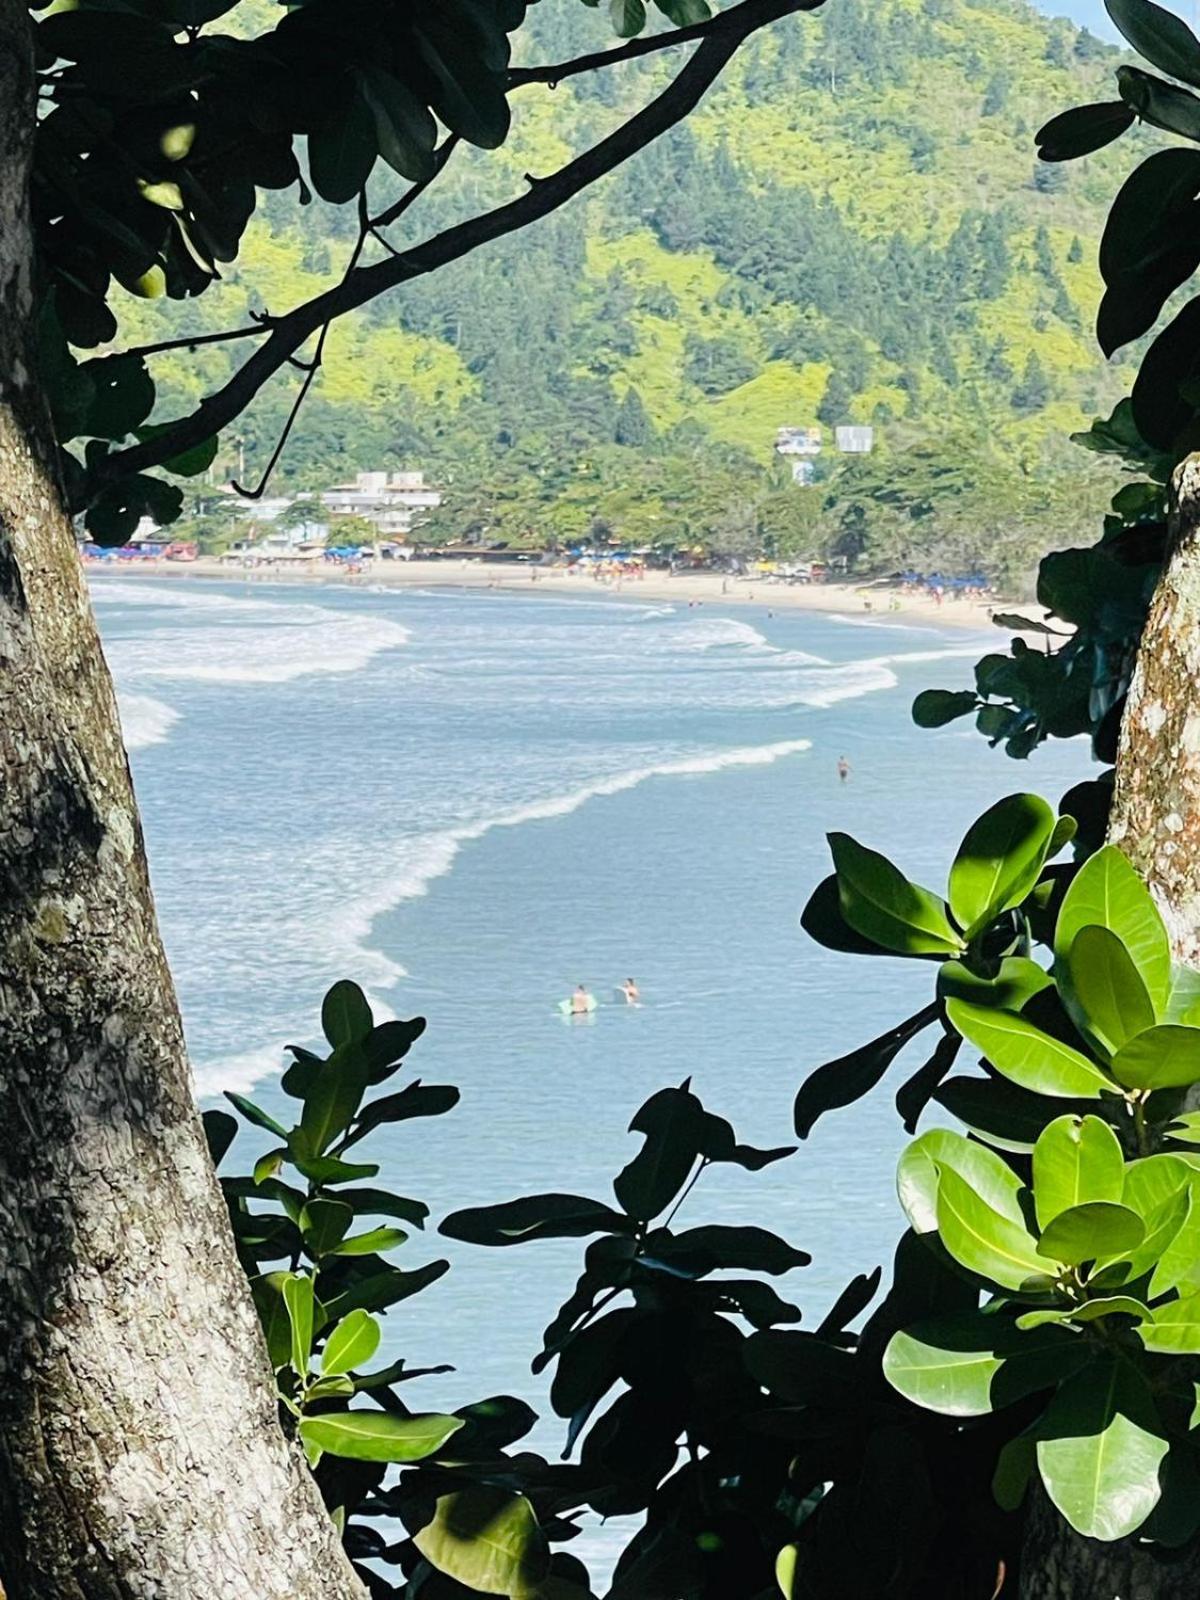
971	1365
299	1300
1107	893
982	1169
878	902
1000	859
983	1240
369	1244
1104	991
220	1130
253	1114
1175	1330
1184	1129
1160	1058
1100	1463
1178	1266
488	1540
1027	1056
934	708
324	1224
345	1014
1088	1311
1161	37
1014	984
672	1122
1094	1231
379	1435
351	1344
1075	1160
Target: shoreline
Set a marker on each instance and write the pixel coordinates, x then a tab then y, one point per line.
687	588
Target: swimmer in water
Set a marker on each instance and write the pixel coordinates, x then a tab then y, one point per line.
579	1001
843	768
630	990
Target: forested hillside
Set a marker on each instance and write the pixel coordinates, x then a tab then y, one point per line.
853	228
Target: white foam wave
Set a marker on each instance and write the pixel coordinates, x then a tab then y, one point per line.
417	862
144	720
925	655
818	687
300	641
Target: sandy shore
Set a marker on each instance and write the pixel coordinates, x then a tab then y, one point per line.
683	588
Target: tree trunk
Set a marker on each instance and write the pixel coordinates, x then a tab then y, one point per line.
1156	821
140	1449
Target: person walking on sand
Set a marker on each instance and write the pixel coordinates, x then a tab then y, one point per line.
630	990
579	1001
843	768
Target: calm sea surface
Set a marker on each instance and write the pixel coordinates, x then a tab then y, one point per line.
471	802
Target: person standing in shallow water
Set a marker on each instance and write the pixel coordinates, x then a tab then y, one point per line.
579	1000
843	768
630	990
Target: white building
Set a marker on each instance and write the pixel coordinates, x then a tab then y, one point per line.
390	500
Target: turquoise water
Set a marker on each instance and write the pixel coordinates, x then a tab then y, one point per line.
472	802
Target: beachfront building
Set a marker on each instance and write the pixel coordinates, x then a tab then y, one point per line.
392	501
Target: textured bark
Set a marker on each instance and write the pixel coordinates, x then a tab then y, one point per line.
1156	821
1156	805
140	1449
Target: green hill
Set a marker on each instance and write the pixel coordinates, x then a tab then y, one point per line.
852	228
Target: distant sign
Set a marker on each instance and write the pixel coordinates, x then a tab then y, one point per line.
798	441
802	472
855	441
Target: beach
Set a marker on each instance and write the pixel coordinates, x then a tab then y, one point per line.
678	588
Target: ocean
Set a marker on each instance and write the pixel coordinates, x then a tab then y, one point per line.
470	802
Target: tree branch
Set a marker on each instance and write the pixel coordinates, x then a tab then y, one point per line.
687	88
649	44
188	341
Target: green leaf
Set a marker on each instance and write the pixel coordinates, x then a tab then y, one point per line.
822	920
1098	1460
1162	38
378	1435
487	1540
1175	1330
878	902
841	1082
934	708
1178	1265
992	1179
405	130
268	1166
628	17
299	1299
983	1240
324	1224
1075	1160
542	1216
1094	1231
332	1097
122	395
351	1344
722	1245
1015	983
997	1112
267	1293
188	463
252	1113
1000	860
379	1203
1089	1311
1104	991
673	1124
220	1130
1083	129
1108	893
345	1014
369	1244
973	1364
1165	1057
341	154
1027	1056
414	1100
1185	1128
684	13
